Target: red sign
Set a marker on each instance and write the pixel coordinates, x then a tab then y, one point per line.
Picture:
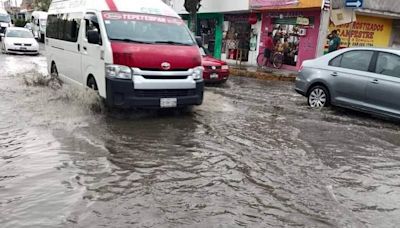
254	4
140	17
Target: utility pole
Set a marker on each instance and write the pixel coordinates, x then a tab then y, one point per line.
351	28
324	27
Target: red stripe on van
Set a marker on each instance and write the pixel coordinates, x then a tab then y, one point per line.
111	5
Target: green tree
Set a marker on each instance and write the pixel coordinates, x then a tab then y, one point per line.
192	6
42	5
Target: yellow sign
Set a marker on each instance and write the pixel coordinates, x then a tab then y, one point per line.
303	21
367	32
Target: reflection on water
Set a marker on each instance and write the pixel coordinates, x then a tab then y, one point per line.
252	156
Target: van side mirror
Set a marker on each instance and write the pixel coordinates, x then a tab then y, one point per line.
199	41
93	37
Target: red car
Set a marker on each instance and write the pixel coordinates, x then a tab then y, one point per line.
215	70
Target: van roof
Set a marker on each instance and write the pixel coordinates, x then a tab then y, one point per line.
3	11
40	14
156	7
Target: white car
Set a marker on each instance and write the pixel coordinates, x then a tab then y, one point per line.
19	41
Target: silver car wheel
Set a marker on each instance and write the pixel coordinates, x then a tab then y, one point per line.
317	98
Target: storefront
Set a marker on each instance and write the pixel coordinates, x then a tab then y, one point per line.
209	28
295	34
367	31
236	37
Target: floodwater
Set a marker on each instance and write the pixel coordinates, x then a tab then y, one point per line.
254	155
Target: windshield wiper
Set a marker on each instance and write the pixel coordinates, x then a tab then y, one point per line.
173	42
132	41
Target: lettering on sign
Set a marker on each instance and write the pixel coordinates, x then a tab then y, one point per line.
271	3
302	21
140	17
367	32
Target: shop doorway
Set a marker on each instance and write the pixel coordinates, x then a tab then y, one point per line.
236	43
209	28
206	28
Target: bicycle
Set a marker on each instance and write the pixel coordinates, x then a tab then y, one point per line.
276	60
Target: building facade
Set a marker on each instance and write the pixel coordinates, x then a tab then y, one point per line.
376	24
228	29
235	30
295	28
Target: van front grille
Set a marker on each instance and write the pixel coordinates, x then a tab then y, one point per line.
166	93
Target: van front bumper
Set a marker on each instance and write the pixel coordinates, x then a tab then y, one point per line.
121	94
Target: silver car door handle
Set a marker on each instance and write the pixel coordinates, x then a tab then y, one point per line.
375	81
335	74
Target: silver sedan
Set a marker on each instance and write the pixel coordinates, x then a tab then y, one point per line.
365	79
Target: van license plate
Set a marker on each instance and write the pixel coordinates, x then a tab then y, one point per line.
214	76
168	103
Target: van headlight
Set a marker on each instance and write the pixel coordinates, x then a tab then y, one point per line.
198	73
118	71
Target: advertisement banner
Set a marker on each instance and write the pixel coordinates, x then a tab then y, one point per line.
255	4
367	32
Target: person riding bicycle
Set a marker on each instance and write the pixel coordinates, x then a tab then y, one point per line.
269	46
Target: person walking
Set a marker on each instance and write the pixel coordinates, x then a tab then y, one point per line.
269	46
334	41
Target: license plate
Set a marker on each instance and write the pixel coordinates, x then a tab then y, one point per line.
168	102
214	76
22	48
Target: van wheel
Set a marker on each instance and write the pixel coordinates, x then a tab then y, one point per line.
54	71
3	49
91	83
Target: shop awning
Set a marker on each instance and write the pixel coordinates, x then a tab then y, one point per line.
303	4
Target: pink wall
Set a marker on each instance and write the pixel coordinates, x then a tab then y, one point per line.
308	43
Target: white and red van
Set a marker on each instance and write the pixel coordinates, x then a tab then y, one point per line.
136	53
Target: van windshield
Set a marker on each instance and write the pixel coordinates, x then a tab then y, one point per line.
5	18
144	28
19	34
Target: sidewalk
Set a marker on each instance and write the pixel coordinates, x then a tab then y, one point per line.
268	74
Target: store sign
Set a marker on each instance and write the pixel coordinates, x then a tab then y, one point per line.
367	32
285	14
254	4
303	21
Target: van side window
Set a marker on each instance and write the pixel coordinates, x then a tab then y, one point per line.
63	27
91	23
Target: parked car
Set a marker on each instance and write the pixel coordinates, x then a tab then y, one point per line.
215	70
38	24
366	79
149	57
19	41
5	22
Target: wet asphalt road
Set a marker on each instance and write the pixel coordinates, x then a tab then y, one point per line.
254	155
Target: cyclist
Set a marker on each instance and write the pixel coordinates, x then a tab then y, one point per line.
269	46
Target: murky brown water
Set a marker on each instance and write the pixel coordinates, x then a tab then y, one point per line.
253	155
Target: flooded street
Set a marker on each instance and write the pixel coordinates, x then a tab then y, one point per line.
253	155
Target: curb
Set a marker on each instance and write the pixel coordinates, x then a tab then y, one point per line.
263	75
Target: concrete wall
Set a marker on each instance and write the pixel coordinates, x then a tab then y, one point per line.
214	6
